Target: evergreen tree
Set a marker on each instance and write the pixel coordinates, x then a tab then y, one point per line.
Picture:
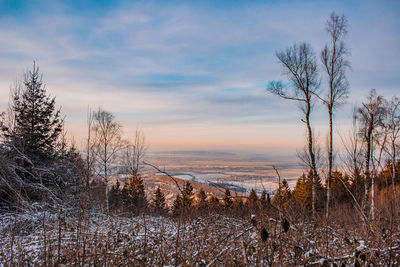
37	122
214	202
158	201
302	192
339	183
357	184
227	198
187	197
201	199
133	195
30	140
385	176
184	201
115	196
252	199
69	169
283	195
201	195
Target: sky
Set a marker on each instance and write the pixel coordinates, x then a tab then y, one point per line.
192	74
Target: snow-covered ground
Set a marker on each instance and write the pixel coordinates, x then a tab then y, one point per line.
45	238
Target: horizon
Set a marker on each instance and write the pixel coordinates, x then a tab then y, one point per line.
192	76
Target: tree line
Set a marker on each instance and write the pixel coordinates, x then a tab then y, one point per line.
130	198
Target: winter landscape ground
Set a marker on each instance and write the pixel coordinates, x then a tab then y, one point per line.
213	239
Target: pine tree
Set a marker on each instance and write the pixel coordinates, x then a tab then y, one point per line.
339	186
357	185
283	196
37	122
302	192
183	201
158	201
386	175
31	140
115	196
252	199
214	202
133	194
227	198
201	195
187	197
201	199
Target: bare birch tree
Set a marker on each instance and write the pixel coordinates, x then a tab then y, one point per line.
134	154
90	147
108	144
378	145
333	58
300	67
352	160
371	114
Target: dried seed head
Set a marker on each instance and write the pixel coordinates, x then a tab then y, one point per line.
264	235
285	225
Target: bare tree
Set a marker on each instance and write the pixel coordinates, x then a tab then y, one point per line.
134	154
352	158
391	124
90	147
15	93
7	119
378	145
352	163
300	67
371	114
333	58
108	143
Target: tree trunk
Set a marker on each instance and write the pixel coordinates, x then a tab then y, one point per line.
394	175
330	163
106	176
312	158
372	184
367	172
330	107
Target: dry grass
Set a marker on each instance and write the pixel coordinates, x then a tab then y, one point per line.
51	238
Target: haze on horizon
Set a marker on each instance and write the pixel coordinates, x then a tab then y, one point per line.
192	75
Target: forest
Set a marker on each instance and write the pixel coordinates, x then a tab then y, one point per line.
62	205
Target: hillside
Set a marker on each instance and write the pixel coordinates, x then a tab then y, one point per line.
153	179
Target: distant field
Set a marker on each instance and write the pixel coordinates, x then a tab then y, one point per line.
237	171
